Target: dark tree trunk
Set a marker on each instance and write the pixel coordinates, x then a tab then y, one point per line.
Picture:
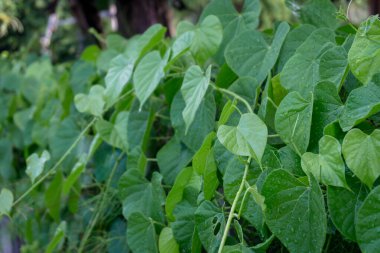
374	6
86	14
135	16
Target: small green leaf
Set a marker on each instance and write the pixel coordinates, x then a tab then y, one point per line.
166	242
53	196
200	158
327	166
227	110
368	223
295	212
194	88
210	177
181	45
293	121
93	103
364	55
141	229
73	177
148	75
6	201
117	77
248	138
59	235
35	164
362	154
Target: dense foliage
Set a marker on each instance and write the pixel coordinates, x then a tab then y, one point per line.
224	138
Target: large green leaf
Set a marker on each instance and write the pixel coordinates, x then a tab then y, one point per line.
207	37
6	201
117	77
139	195
166	242
93	103
327	166
248	138
35	164
308	55
362	154
210	223
295	211
333	65
368	223
148	75
293	121
361	103
249	54
232	21
364	55
187	178
194	88
141	234
172	158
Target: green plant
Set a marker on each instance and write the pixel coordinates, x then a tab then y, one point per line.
260	140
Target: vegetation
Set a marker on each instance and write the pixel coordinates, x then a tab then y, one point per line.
225	138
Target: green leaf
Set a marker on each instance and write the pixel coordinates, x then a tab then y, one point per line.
166	242
117	238
35	164
327	166
202	125
207	37
141	229
181	45
364	55
172	158
357	144
200	157
361	103
139	195
343	207
333	65
232	21
248	88
293	121
148	75
148	40
194	88
73	177
240	141
115	133
210	223
53	196
6	201
368	222
59	235
93	103
295	212
308	55
249	54
327	107
117	77
187	178
210	177
321	13
227	111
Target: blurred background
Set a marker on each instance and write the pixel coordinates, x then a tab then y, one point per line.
63	28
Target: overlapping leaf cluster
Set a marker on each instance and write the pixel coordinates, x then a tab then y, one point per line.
224	138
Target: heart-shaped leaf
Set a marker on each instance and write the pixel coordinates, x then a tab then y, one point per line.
327	166
35	164
248	138
362	154
93	103
6	201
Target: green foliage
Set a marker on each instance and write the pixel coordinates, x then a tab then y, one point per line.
222	139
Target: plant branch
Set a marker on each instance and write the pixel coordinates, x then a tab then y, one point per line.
231	93
57	164
233	207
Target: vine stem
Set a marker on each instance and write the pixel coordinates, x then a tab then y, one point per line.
231	93
233	207
102	201
52	170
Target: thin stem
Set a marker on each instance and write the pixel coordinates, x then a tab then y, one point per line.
151	159
273	135
102	201
272	102
233	207
242	202
52	170
231	93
